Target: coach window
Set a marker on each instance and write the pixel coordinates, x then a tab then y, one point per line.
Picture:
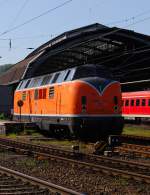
143	102
123	103
137	102
149	102
132	102
127	103
51	92
36	94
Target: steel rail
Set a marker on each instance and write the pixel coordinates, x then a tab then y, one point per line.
135	139
135	146
122	149
44	184
45	152
43	149
101	168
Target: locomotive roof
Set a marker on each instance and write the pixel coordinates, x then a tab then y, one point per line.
123	52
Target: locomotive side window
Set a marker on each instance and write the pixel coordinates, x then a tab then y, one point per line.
149	102
67	75
137	102
127	103
27	84
143	102
132	102
36	94
61	76
55	77
20	84
35	82
71	74
51	92
46	80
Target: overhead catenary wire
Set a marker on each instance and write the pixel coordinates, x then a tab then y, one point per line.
113	31
18	13
29	37
59	6
36	17
44	13
129	18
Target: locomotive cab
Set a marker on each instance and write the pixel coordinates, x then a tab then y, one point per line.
99	102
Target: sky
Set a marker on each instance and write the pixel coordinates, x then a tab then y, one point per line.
129	14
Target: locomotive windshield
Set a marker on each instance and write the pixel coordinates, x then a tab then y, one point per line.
98	76
91	71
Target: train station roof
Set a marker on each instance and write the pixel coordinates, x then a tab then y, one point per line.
124	52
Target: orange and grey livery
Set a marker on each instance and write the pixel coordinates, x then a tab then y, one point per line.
79	101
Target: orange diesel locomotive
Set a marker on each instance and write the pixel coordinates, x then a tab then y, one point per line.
78	101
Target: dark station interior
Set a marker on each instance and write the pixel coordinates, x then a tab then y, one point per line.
123	52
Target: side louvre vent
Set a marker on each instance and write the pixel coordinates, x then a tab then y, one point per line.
51	92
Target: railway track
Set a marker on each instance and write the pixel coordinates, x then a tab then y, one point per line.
124	168
134	149
16	183
131	139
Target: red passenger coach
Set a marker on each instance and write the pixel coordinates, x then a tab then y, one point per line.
136	105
